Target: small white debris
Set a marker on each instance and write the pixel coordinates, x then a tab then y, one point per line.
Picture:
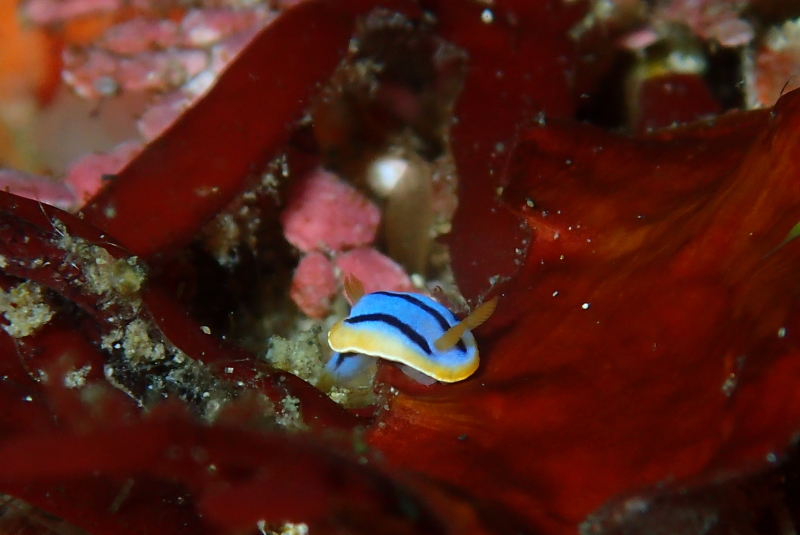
729	385
555	293
139	345
782	332
77	378
287	529
205	329
201	83
636	506
25	309
294	529
585	306
290	416
487	17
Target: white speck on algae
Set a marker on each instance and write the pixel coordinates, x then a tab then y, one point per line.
118	280
77	378
24	308
290	417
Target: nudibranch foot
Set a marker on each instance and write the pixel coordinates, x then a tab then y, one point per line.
416	375
347	370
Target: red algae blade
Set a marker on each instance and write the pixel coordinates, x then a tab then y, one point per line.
509	57
629	351
183	178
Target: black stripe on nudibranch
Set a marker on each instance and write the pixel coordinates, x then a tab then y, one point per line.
441	320
404	328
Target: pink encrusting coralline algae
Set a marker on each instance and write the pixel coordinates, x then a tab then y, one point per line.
40	188
172	62
375	270
84	177
335	225
58	11
314	285
325	213
178	60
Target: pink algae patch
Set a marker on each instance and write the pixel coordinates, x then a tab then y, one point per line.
140	35
54	11
376	271
314	285
85	176
203	27
36	187
325	213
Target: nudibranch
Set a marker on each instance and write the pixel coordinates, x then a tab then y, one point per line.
408	328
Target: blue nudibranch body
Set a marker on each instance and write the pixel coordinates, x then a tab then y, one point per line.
407	328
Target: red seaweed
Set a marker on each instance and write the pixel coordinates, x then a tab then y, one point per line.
650	335
33	248
673	99
508	59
